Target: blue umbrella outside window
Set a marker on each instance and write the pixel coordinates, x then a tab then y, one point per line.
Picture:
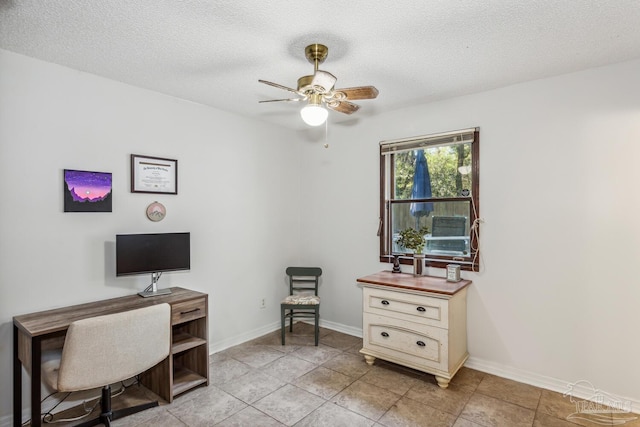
421	188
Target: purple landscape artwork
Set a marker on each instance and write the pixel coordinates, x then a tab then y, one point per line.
86	191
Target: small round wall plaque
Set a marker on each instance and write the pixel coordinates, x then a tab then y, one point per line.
156	211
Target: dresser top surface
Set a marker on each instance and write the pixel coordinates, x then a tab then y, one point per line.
408	281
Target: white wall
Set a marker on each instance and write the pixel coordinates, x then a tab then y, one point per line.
557	298
238	189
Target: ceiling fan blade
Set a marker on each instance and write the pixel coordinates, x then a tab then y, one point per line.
324	80
345	107
278	86
282	100
361	92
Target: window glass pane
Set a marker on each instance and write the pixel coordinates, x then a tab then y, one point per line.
447	223
447	169
430	187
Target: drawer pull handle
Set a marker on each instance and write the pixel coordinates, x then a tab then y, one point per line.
384	334
421	309
384	302
420	343
189	311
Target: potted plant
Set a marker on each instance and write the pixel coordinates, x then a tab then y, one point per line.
413	239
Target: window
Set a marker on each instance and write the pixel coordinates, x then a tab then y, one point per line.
430	183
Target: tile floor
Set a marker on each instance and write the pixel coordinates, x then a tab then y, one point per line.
261	383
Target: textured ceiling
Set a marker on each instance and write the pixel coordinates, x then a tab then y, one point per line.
414	51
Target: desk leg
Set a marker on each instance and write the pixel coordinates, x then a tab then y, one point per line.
17	381
36	384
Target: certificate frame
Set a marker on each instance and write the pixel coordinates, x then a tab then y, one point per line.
155	175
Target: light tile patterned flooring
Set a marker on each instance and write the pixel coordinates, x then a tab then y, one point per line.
262	383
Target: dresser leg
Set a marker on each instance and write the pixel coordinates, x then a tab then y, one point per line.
369	359
443	382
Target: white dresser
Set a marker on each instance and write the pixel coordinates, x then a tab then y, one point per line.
415	321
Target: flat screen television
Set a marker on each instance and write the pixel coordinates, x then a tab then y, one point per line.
152	253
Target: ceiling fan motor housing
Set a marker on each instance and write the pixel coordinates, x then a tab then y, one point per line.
316	53
304	81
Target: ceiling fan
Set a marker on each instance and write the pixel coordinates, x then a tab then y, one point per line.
318	89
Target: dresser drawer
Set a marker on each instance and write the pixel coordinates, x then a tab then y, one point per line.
401	342
188	310
422	309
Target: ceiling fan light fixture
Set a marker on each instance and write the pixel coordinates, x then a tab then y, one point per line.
319	89
314	114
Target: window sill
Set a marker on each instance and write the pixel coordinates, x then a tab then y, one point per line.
436	261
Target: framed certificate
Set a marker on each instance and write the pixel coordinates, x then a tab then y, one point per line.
153	175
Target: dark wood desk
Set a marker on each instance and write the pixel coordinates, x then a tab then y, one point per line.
185	368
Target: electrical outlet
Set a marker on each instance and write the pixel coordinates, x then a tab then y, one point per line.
263	303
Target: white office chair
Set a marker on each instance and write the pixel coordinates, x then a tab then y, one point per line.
103	350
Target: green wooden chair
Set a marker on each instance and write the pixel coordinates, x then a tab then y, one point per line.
303	300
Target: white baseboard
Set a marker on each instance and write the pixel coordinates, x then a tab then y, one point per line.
581	390
218	346
274	326
349	330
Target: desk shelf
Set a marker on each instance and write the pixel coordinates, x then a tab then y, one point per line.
189	346
183	341
185	379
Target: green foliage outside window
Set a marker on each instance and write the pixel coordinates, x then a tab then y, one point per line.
444	163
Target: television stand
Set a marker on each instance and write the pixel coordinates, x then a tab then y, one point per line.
152	290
